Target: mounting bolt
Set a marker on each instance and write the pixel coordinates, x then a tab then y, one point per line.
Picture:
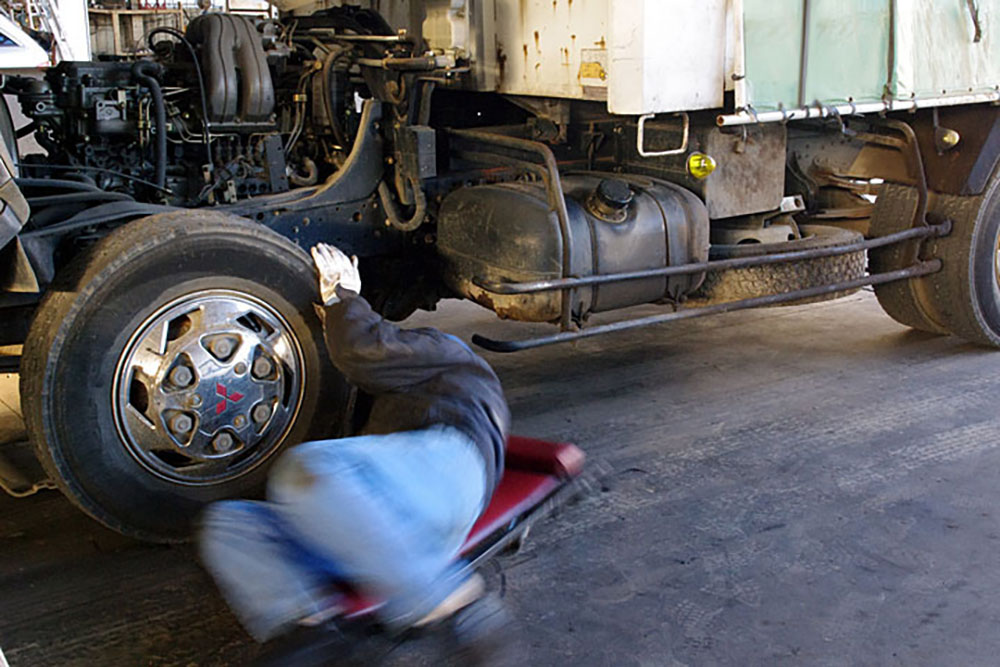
221	347
181	376
194	401
180	424
262	367
240	368
239	421
261	414
223	443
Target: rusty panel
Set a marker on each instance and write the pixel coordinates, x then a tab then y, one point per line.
552	47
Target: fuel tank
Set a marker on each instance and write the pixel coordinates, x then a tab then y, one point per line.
508	232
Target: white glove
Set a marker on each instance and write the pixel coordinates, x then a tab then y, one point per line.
335	268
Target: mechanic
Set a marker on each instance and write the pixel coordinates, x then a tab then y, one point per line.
387	510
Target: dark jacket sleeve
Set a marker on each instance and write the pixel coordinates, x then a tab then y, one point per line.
379	357
419	377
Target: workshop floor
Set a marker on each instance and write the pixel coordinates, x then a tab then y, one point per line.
812	485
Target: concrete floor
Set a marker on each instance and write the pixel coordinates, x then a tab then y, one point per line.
812	485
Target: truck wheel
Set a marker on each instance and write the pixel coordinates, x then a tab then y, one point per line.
906	300
754	281
963	298
966	292
170	364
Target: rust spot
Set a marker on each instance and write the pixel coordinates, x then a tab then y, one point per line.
570	3
524	308
538	45
601	43
538	66
555	3
526	51
501	61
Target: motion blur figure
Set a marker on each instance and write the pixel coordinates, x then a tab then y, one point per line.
387	510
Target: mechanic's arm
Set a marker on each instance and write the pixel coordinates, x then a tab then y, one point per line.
373	354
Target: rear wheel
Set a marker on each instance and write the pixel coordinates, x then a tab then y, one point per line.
963	298
904	300
171	364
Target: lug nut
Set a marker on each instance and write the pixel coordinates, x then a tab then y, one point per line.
223	443
180	424
221	347
262	368
181	376
261	413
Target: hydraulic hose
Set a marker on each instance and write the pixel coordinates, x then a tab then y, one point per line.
144	72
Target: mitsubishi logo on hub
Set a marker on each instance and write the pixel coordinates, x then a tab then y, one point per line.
221	390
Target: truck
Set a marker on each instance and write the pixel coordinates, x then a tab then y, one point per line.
546	159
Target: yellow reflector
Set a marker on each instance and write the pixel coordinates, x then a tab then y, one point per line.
700	165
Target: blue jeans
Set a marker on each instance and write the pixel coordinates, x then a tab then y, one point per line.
387	513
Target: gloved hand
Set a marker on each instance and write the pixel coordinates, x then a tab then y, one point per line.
335	268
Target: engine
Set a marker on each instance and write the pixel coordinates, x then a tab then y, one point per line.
233	108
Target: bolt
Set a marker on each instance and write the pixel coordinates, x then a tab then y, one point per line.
239	421
240	368
223	442
181	376
262	368
180	424
221	347
195	401
261	413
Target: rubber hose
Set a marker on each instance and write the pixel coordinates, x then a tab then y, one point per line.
177	34
330	89
309	178
142	71
78	197
395	219
55	184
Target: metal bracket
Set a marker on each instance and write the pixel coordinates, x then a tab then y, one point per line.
640	137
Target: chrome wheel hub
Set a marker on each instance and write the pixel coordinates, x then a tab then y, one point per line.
208	387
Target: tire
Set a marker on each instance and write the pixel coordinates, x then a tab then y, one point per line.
963	298
98	369
906	300
755	281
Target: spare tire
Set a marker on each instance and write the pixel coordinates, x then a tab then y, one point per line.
754	281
